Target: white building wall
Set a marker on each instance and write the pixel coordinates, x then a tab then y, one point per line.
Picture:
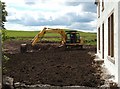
99	26
110	7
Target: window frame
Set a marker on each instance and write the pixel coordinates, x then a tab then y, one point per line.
98	8
111	51
102	5
99	38
103	40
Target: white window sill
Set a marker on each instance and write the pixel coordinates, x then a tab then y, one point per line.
111	59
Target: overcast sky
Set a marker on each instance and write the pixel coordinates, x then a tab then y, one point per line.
36	14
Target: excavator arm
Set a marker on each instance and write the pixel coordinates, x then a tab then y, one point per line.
40	35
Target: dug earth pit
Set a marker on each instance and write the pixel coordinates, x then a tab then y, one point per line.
54	66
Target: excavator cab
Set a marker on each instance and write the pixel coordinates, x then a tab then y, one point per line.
72	37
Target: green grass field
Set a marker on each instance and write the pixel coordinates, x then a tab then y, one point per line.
11	33
90	38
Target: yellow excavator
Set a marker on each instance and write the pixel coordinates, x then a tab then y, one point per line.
70	38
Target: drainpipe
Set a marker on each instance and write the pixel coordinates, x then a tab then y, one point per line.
0	46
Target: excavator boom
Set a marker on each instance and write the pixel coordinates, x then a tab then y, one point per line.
40	35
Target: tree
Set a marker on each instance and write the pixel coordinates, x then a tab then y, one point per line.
3	13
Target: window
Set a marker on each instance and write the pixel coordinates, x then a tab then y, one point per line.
102	5
111	35
98	8
103	40
99	38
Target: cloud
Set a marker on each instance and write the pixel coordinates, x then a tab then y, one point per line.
64	20
73	14
82	26
89	7
80	1
30	2
83	17
72	3
77	2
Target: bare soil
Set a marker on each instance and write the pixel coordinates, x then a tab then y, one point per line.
52	65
